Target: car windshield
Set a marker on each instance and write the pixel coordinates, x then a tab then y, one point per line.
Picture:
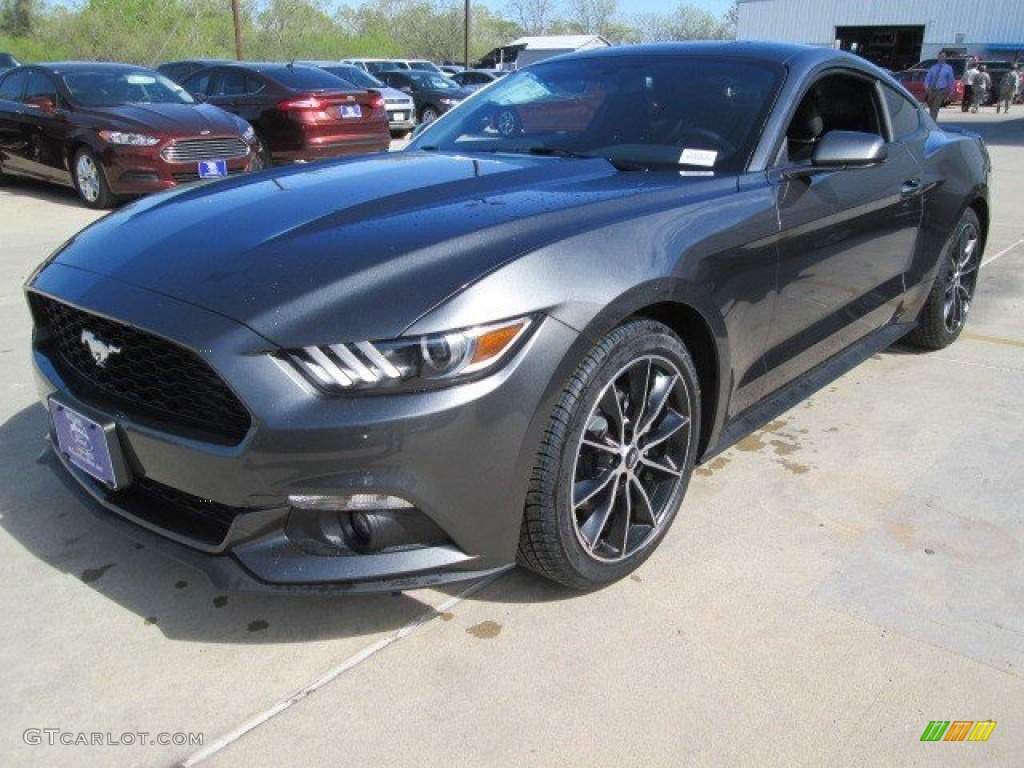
431	80
111	89
638	112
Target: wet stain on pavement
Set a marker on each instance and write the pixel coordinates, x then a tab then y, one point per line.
447	616
220	601
751	443
485	630
89	575
782	448
257	626
720	462
796	469
637	579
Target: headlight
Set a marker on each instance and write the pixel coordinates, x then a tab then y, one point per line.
249	134
132	139
449	102
410	363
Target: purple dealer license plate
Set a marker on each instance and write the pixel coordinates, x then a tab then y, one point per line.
212	169
350	110
87	444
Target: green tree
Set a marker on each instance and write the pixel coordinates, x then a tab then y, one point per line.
17	17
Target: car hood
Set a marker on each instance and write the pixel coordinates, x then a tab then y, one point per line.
359	249
393	93
169	119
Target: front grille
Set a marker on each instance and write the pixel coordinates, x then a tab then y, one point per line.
176	511
183	178
147	375
194	150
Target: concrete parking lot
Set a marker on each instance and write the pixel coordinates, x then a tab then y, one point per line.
834	582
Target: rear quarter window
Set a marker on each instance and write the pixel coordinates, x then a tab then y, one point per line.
904	114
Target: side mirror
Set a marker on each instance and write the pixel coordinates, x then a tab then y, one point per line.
200	97
849	149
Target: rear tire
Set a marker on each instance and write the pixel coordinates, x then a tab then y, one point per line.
944	314
429	114
615	461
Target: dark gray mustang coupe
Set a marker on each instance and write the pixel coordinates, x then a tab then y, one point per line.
512	341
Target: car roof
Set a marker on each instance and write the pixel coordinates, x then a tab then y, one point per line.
60	67
208	62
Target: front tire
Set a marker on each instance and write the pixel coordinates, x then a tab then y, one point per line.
945	312
615	461
91	182
429	114
262	158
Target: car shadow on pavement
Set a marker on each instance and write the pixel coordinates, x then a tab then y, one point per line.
54	194
49	522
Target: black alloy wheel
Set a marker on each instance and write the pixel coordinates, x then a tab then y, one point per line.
945	312
616	459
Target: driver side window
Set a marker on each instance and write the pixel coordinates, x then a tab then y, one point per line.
837	102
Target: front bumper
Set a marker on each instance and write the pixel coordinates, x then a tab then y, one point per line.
141	170
461	456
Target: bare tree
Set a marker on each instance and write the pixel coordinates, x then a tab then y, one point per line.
591	17
533	16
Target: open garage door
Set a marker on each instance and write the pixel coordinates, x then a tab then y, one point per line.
894	48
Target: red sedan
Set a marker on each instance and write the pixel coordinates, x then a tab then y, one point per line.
913	81
299	112
113	130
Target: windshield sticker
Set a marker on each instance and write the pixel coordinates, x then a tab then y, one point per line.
140	79
702	157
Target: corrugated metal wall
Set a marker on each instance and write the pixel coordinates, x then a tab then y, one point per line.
980	22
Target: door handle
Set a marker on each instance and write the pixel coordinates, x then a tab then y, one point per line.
911	188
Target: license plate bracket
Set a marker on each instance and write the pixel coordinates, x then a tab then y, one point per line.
90	443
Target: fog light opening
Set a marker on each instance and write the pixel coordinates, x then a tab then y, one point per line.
359	524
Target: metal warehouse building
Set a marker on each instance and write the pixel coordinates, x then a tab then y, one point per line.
892	33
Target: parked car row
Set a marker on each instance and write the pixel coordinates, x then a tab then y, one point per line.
117	130
112	130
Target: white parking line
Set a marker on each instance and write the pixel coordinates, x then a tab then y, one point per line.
1003	252
254	722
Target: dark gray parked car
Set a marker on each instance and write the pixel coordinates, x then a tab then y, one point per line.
596	273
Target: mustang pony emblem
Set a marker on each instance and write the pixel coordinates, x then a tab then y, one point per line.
99	349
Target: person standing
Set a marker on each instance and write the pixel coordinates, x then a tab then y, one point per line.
980	88
967	81
1008	87
938	84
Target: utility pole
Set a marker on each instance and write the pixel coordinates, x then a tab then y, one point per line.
237	16
465	51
